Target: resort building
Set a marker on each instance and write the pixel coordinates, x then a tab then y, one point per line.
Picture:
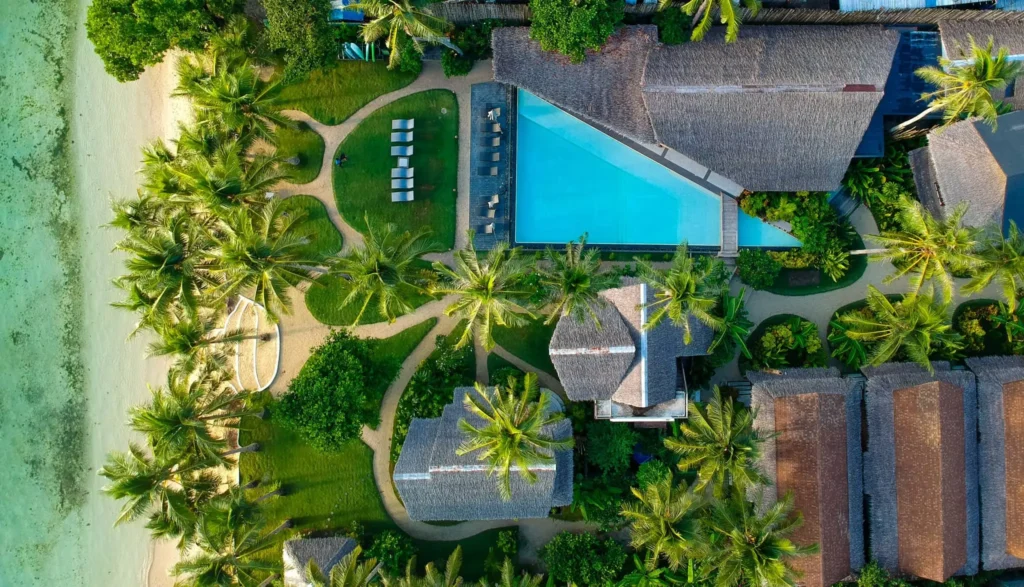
630	374
436	484
1001	459
812	421
921	470
970	162
324	552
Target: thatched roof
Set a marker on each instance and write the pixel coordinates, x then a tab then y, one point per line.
1001	459
782	109
437	484
325	552
921	470
955	36
812	419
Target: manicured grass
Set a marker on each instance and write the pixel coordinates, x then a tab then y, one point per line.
858	264
333	94
529	343
325	240
325	295
307	145
362	186
403	343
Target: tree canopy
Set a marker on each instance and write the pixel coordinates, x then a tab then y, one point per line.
300	28
572	27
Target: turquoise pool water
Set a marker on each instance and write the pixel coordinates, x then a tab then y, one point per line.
572	179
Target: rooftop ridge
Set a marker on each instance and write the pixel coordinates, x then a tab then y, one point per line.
596	350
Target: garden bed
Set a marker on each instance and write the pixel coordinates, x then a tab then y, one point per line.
797	349
784	285
991	339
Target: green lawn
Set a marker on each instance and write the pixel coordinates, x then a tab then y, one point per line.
333	94
325	240
529	343
362	186
324	297
308	145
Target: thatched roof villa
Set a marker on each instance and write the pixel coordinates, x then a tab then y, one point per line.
326	552
812	419
436	484
921	470
629	373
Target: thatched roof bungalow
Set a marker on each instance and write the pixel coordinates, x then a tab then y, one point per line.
921	470
812	419
326	552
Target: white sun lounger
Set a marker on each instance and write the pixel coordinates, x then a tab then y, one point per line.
403	151
400	124
401	184
401	137
401	196
491	212
489	229
403	162
495	157
401	172
493	201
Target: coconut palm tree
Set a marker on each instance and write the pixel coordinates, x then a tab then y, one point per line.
227	559
383	269
139	214
230	514
513	433
965	86
929	249
193	342
573	281
649	574
393	19
489	291
752	549
690	288
229	180
665	520
734	325
917	325
1000	260
702	12
349	572
719	442
262	253
509	578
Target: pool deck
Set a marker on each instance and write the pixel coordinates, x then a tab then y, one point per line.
483	186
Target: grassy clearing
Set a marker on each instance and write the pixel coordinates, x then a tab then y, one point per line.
529	343
362	187
324	237
333	94
324	297
305	143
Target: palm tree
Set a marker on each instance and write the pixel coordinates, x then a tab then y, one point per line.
573	282
665	520
965	86
262	253
229	180
509	579
917	325
929	249
383	269
227	559
649	574
690	288
752	549
1000	260
514	431
432	577
193	342
488	291
230	514
719	442
702	12
394	19
734	325
349	572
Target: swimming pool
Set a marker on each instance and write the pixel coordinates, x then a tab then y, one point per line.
572	179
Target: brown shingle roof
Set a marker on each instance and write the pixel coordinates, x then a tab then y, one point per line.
930	470
811	463
1013	419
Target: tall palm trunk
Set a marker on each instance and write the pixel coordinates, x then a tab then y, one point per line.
254	447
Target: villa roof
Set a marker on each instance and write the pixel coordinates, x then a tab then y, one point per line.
955	36
921	470
325	552
782	109
1001	459
437	484
811	418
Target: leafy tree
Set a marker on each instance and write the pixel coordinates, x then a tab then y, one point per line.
702	12
349	572
929	249
573	281
965	87
301	29
337	391
489	291
399	20
666	521
395	552
719	442
383	269
582	559
735	326
672	25
513	430
610	447
690	288
1000	260
573	27
757	268
751	549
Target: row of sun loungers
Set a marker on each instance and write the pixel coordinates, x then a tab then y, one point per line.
492	124
402	176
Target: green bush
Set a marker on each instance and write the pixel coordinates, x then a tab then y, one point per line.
409	59
673	26
475	40
599	500
338	391
610	446
794	259
786	341
651	472
582	559
301	31
455	65
572	27
757	268
393	550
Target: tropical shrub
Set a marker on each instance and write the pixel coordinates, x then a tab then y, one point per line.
455	65
338	391
610	447
757	268
990	328
572	27
792	343
794	259
475	42
599	499
651	472
672	26
393	551
884	184
582	559
409	59
301	31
